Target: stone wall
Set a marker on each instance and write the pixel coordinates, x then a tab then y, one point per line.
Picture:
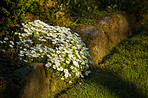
100	40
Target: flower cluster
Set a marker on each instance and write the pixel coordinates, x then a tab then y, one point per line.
62	49
7	41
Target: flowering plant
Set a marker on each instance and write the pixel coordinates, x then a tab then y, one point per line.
60	49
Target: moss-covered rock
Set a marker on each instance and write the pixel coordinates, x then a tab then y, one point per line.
39	85
100	40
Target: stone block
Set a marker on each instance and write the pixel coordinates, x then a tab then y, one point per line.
100	40
37	84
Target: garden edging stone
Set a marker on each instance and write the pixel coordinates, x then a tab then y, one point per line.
100	40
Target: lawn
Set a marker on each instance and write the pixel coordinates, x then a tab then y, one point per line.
122	74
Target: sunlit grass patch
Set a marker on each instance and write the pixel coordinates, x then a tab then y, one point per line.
122	74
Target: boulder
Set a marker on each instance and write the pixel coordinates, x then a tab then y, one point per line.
37	84
100	40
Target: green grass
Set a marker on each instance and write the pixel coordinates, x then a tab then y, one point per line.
122	74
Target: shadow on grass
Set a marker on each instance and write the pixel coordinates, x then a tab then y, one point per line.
111	80
115	84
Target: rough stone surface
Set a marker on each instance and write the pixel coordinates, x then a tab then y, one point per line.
37	84
100	40
23	71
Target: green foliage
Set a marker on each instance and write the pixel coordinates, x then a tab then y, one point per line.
14	12
130	6
78	8
83	8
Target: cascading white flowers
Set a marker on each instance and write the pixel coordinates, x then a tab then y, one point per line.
63	50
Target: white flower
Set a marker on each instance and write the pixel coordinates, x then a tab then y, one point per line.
87	66
90	62
23	35
26	30
68	62
87	73
1	41
54	66
20	55
26	45
62	78
74	58
25	61
17	42
49	56
65	70
22	52
20	37
78	74
71	67
54	42
4	42
57	64
33	51
35	55
77	53
41	50
3	50
70	56
58	52
69	74
25	49
6	38
27	40
70	81
60	69
42	40
83	63
76	63
87	49
11	46
48	64
66	75
79	46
